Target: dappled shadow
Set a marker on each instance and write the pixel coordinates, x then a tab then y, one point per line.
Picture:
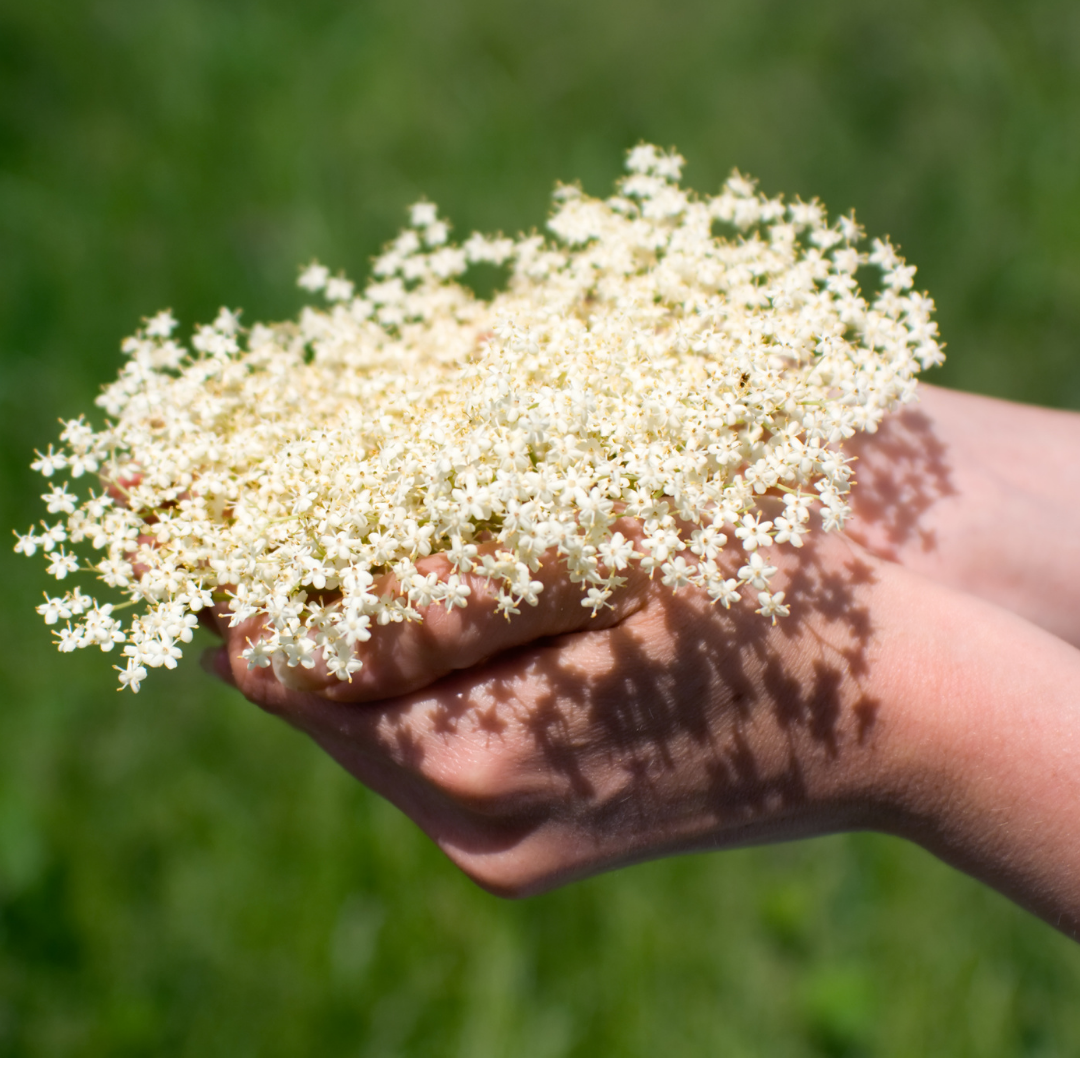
620	717
902	470
681	712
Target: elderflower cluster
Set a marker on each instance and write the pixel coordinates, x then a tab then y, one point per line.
685	361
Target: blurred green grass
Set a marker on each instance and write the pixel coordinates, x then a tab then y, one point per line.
181	874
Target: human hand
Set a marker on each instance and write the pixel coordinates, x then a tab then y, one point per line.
884	701
553	744
968	490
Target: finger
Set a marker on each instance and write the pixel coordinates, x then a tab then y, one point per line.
215	661
215	619
399	747
404	657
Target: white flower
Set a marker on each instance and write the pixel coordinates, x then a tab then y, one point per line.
754	532
161	325
461	555
68	639
339	288
457	593
49	462
258	654
28	544
617	552
798	506
789	532
78	602
59	500
53	610
634	366
596	598
757	572
131	676
423	214
722	590
160	652
314	277
706	543
528	590
343	667
677	573
61	564
834	516
52	536
227	322
772	605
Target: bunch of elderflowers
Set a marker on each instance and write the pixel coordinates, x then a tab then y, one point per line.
665	357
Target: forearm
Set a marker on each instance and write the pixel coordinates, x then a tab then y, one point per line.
980	747
974	492
955	724
940	718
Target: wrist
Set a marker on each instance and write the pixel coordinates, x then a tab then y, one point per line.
980	750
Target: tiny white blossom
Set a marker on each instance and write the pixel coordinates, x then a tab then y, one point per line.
789	532
617	552
798	506
754	532
339	288
343	667
61	564
227	322
161	325
436	233
52	535
258	654
59	500
78	602
49	462
131	676
724	591
314	278
834	516
772	605
28	544
677	573
53	610
68	639
161	652
757	572
423	214
456	593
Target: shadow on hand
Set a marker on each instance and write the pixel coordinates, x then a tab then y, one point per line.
900	473
683	726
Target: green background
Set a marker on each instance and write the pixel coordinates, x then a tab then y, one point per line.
182	874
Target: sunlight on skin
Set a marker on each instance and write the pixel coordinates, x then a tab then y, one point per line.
967	490
556	745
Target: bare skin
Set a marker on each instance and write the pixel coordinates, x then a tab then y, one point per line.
555	746
946	485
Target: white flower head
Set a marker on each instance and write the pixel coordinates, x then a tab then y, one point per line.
635	365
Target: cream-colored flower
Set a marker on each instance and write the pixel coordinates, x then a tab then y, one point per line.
636	364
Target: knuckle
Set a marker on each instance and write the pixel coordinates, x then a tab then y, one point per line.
505	883
480	778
